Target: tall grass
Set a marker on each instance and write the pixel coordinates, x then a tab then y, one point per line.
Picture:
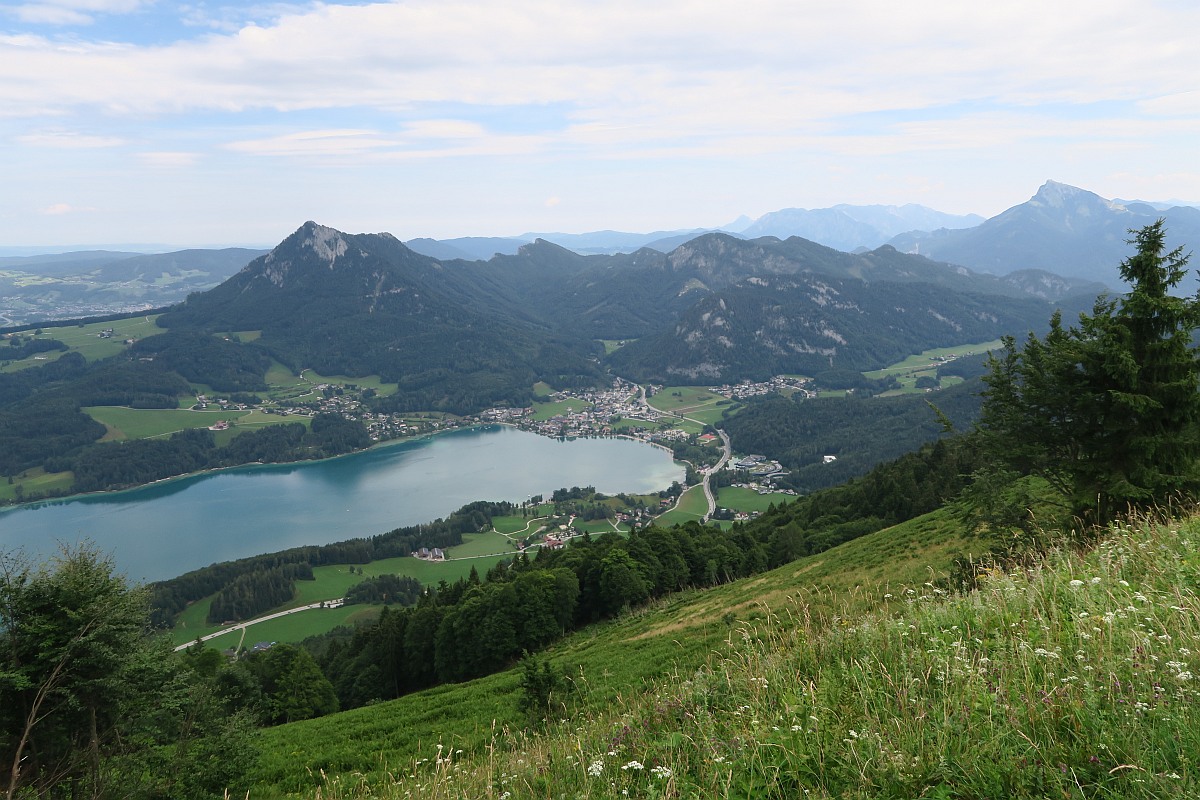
1077	678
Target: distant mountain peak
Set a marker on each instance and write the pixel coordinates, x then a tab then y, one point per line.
1053	194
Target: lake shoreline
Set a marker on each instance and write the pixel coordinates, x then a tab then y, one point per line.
250	465
169	527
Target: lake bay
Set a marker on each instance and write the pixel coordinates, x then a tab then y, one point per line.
166	529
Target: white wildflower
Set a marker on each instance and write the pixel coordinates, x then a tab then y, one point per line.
637	765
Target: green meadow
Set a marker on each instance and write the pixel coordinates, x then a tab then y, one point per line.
137	423
749	500
85	339
693	505
545	411
695	402
36	480
923	365
480	551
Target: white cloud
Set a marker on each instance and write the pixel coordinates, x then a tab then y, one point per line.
609	60
71	12
612	91
313	143
69	140
166	159
49	15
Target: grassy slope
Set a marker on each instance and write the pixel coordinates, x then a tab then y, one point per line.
608	662
1076	678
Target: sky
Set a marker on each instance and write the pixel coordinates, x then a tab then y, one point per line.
212	123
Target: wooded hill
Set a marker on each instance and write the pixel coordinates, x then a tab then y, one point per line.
462	336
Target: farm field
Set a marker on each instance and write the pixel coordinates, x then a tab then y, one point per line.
519	524
544	411
922	364
366	382
748	500
691	401
36	480
86	340
479	550
692	507
138	423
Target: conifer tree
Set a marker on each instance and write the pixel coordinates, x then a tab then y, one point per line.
1108	411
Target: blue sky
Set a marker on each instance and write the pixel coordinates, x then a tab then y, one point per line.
208	123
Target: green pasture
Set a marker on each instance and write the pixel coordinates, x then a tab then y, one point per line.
481	544
479	550
144	423
542	389
624	424
598	526
241	336
694	402
34	481
692	506
544	411
913	367
613	345
748	500
366	382
86	340
517	524
682	399
290	628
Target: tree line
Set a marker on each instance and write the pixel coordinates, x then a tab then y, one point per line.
474	627
116	465
170	597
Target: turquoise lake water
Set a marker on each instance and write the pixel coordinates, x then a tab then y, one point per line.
164	530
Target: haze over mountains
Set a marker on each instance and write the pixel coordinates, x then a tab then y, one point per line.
1060	232
1062	229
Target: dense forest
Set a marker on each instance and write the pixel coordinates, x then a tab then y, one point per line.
859	431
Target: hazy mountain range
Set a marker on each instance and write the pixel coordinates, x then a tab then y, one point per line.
1060	231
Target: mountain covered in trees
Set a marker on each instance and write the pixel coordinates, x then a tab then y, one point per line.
461	336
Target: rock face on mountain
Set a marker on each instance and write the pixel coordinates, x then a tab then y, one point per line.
1061	229
807	323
